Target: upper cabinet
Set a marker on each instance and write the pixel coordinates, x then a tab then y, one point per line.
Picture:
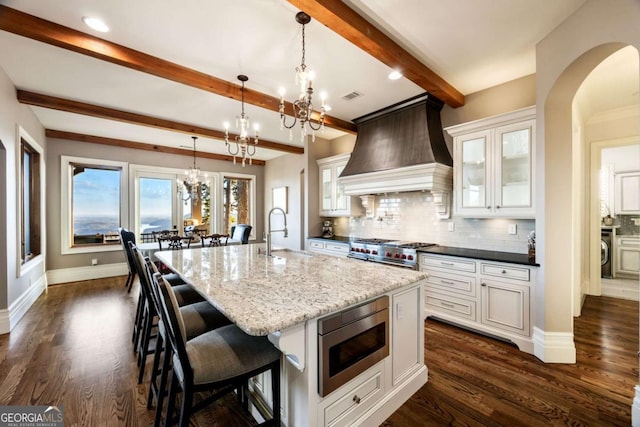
627	199
493	162
333	201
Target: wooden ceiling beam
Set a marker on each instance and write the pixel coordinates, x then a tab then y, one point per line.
70	106
35	28
80	137
346	22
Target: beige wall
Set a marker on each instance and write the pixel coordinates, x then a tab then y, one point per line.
564	58
12	115
58	147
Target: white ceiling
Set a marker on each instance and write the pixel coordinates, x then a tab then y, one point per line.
472	44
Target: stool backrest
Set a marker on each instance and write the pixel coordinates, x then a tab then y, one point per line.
241	232
127	237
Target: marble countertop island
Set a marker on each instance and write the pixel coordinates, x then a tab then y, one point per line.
263	295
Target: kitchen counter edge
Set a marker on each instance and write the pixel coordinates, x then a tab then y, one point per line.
506	257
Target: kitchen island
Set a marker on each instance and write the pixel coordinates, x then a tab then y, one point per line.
285	295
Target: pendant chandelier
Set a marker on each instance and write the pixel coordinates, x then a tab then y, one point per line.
192	179
243	146
303	106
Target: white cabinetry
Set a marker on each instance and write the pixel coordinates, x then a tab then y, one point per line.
493	166
329	247
628	256
486	296
333	201
627	199
406	351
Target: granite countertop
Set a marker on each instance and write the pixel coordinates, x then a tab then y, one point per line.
508	257
264	294
343	239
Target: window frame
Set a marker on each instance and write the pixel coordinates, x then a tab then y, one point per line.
66	208
28	265
252	199
143	171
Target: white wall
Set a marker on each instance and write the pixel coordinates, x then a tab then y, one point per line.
564	59
13	115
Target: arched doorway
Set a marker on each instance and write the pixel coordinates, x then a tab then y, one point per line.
561	227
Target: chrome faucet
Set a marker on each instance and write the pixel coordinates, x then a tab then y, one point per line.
286	232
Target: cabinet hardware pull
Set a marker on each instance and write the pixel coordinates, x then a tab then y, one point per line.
356	399
498	207
483	284
488	207
504	271
446	263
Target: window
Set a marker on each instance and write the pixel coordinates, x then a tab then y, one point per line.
93	204
95	198
160	206
30	201
238	200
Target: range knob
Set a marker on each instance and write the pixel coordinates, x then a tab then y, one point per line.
410	257
374	252
396	256
367	251
403	256
388	254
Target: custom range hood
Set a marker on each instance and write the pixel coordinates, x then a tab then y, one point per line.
400	148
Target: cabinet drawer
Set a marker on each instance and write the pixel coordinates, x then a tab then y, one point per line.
354	402
457	307
516	273
316	245
448	263
460	284
629	241
337	247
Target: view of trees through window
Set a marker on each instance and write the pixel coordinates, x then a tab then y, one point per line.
95	203
236	199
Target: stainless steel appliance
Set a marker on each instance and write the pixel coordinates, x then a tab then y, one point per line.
400	254
350	342
327	229
606	254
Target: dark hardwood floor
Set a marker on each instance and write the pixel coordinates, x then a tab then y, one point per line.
73	349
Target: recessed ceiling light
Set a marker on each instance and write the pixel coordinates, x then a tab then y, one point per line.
95	23
395	75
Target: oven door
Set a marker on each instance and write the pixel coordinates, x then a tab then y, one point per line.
352	349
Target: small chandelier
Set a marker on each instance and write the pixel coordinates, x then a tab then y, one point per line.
303	107
192	179
244	146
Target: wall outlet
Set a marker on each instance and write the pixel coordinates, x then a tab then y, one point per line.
513	229
451	226
94	261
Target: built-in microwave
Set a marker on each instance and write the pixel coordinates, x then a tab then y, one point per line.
350	342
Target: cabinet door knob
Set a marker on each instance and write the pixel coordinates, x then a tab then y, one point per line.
498	207
504	271
483	284
488	207
356	399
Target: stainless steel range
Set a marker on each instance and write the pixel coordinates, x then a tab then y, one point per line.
384	251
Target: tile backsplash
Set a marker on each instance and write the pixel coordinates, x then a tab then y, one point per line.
412	217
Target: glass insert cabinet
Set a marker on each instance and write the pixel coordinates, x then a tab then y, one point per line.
494	166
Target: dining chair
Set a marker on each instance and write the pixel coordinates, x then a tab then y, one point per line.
199	318
147	321
220	361
127	236
214	240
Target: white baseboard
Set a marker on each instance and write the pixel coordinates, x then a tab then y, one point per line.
65	275
635	408
554	347
10	318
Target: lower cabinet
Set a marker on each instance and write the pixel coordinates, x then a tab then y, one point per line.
406	350
628	256
329	247
489	297
344	407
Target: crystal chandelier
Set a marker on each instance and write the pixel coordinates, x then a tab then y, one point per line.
303	106
192	178
244	146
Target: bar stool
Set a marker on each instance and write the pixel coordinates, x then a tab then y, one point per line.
223	359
